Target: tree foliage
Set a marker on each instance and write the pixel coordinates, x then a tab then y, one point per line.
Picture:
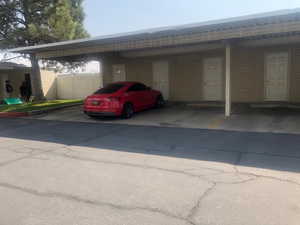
32	22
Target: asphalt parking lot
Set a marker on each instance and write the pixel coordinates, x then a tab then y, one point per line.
86	173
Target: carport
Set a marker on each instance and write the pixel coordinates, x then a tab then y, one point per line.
251	59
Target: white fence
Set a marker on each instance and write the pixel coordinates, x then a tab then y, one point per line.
77	86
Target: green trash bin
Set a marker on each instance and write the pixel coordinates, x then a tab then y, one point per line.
13	101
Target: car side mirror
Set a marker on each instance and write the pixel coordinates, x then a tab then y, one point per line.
149	88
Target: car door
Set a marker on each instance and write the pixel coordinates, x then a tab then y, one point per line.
150	97
145	95
142	95
135	96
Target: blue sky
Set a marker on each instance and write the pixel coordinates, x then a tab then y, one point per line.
115	16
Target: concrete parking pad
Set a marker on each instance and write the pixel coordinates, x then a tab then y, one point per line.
244	118
59	172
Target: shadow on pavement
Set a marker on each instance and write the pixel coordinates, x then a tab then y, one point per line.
271	151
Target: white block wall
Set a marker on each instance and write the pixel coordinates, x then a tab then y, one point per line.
77	86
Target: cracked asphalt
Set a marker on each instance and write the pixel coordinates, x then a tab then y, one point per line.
73	173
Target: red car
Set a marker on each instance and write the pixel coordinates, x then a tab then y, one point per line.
122	99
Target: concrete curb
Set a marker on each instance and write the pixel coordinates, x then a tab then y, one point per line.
35	112
13	114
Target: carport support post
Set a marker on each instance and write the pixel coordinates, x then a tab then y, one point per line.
228	81
36	82
101	72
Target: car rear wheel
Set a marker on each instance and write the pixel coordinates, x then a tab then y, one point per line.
128	111
160	102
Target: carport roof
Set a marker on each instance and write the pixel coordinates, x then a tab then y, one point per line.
216	30
11	66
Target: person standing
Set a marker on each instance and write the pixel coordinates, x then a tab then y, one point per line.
9	89
23	91
28	91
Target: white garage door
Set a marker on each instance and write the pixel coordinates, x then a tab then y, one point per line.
161	77
119	73
213	79
276	77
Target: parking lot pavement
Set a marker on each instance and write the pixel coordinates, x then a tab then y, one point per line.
58	172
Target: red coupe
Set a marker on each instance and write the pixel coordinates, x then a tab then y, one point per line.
122	99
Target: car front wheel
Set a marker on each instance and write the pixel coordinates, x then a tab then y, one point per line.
128	111
160	102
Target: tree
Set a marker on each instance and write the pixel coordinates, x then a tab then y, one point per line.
32	22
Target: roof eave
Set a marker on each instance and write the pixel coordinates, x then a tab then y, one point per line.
151	34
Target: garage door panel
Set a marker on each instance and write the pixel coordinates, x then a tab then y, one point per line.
276	77
161	77
119	72
212	79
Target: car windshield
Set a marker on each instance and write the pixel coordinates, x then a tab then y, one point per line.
109	89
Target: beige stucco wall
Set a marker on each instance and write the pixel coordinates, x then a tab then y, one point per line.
295	74
186	72
77	86
247	75
139	70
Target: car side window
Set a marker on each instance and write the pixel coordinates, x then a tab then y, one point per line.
142	87
137	87
132	88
